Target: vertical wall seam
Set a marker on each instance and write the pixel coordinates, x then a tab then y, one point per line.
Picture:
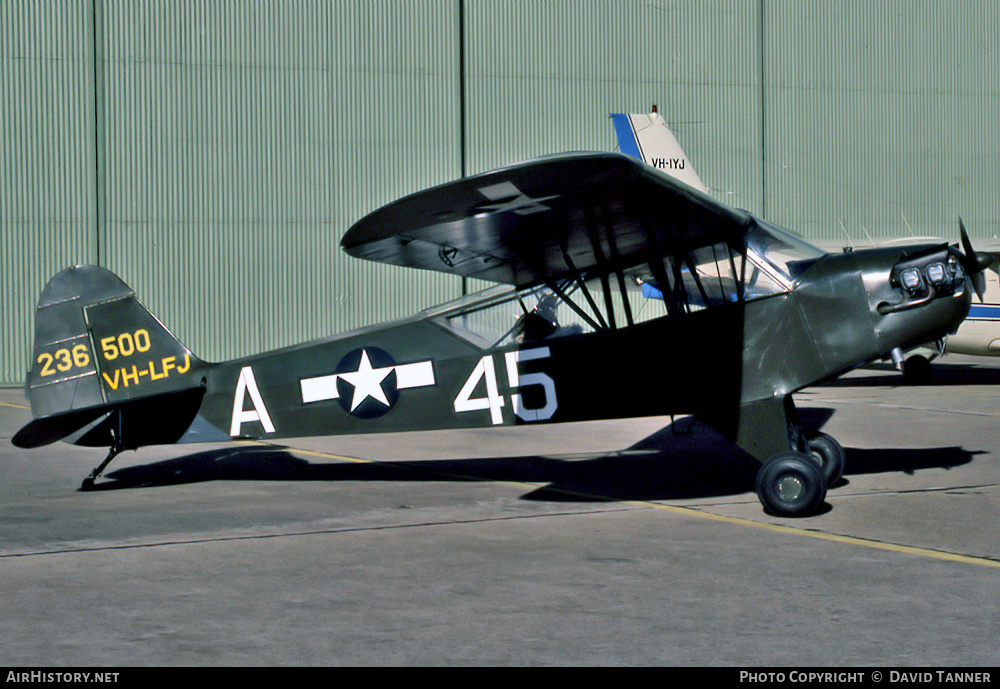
461	108
100	183
763	111
461	88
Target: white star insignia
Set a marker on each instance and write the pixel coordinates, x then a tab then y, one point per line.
367	382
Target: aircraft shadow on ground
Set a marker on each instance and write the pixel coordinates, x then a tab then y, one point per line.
941	374
682	460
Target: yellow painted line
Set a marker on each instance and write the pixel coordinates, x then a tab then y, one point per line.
823	536
327	455
15	405
738	521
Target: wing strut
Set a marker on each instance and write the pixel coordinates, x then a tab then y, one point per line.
608	304
559	292
578	278
655	263
741	275
602	265
621	282
696	278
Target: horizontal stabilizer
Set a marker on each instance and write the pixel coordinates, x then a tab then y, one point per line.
50	429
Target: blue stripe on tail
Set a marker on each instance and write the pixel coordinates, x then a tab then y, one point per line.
627	142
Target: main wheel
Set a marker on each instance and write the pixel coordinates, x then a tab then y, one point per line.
791	484
830	455
917	370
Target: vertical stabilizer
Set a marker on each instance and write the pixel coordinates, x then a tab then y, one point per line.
648	138
104	366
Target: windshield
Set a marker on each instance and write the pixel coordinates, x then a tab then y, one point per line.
787	253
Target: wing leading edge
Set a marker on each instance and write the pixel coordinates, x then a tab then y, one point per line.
545	219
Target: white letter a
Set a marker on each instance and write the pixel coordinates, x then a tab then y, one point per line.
247	383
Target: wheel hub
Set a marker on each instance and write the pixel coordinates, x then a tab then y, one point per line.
790	488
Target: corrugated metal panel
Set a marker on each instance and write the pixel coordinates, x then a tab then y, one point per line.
244	138
47	212
543	78
881	116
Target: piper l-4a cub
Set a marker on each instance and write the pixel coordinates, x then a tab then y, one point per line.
628	287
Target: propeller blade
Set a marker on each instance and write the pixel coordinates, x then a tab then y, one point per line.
979	284
966	242
974	262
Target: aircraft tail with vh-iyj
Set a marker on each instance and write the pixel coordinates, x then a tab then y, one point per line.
646	137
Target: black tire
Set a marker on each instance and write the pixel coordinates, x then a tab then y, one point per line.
917	370
830	455
791	484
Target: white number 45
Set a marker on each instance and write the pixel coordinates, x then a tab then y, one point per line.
494	402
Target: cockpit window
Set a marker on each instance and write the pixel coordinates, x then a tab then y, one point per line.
681	283
502	316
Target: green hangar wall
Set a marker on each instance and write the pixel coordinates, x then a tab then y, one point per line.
212	153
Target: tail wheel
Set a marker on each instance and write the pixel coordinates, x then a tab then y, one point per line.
830	456
791	484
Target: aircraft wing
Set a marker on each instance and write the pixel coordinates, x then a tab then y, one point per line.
545	219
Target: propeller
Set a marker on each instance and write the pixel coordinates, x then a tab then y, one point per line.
974	262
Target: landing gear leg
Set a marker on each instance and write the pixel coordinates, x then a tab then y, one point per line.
88	482
116	447
791	481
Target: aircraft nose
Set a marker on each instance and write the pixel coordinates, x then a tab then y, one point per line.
921	278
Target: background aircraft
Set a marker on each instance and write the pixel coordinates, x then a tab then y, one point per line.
565	335
647	137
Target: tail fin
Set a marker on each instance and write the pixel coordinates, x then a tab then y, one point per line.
105	371
648	138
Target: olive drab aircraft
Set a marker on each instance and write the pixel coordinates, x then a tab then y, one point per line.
576	245
647	137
